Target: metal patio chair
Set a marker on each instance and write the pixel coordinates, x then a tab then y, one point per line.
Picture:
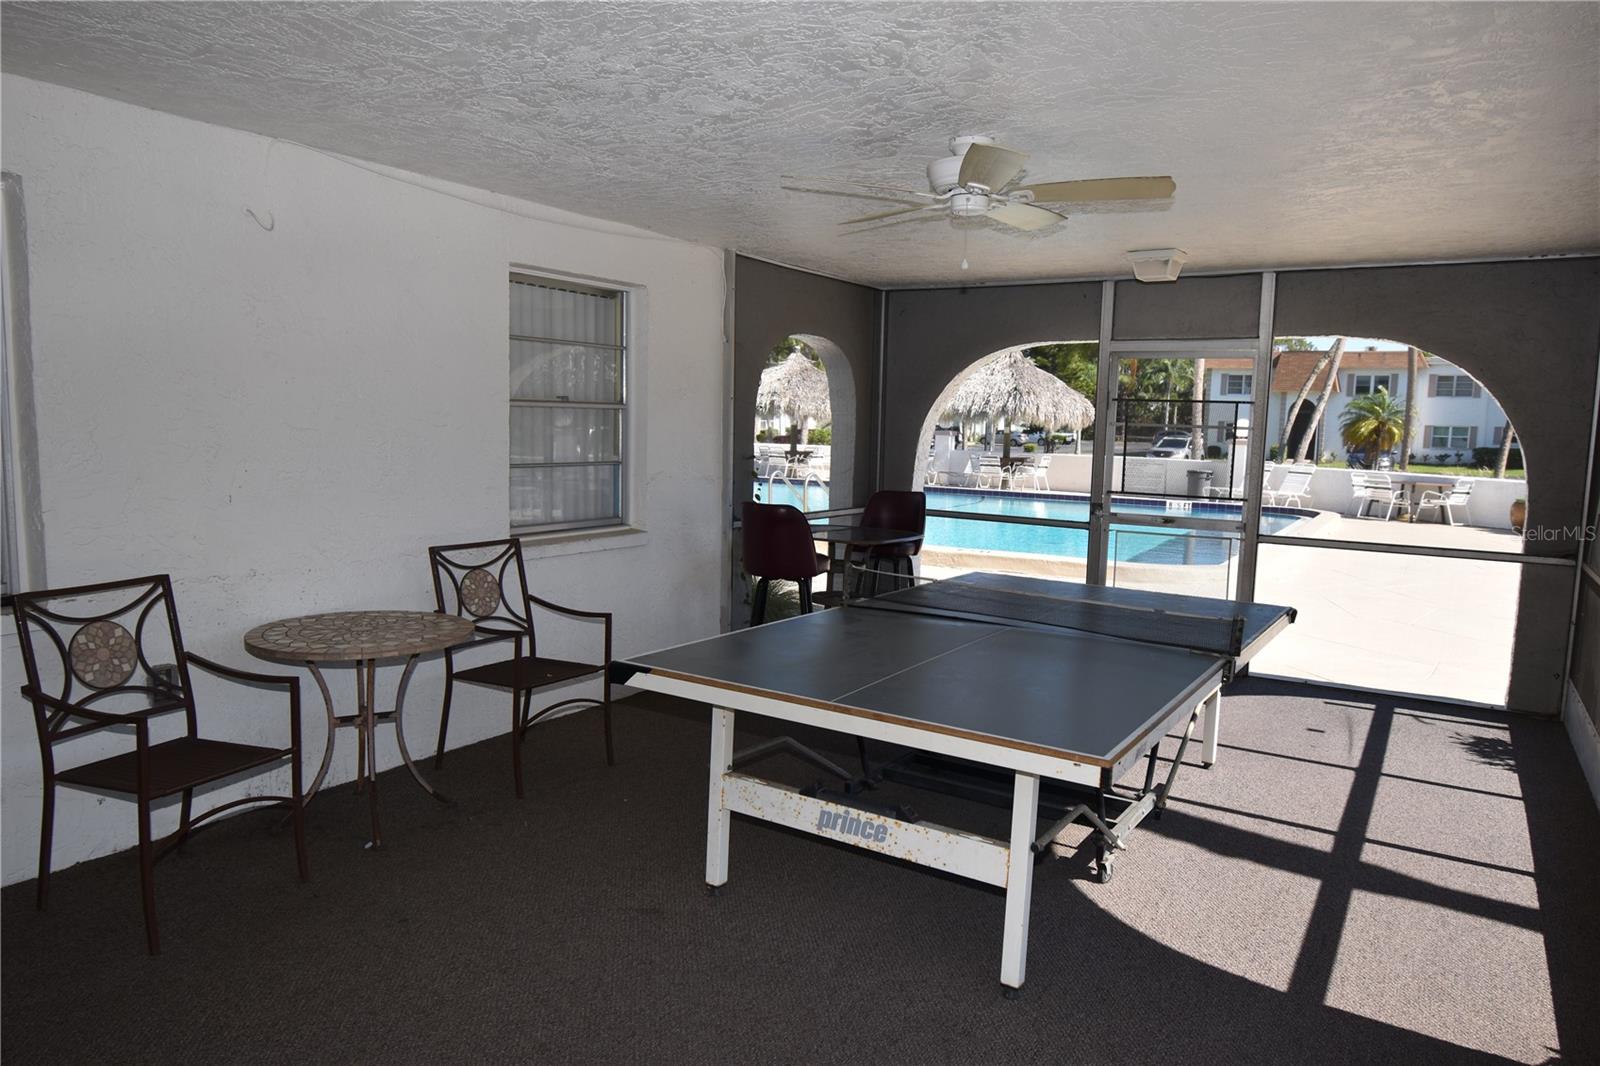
109	658
486	581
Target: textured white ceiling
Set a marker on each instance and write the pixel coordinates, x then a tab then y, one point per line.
1299	134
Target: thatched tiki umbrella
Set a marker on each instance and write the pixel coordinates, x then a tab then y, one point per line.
797	388
1011	388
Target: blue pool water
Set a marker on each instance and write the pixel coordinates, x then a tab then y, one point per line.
1134	544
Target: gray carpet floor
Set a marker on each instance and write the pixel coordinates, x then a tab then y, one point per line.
1359	879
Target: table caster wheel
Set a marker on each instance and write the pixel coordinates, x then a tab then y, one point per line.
1012	993
713	890
1102	862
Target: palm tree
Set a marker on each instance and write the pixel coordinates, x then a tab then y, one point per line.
1372	424
1300	397
1322	400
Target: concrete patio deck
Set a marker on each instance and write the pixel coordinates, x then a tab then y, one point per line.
1399	623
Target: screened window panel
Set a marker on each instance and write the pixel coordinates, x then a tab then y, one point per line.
566	434
565	372
554	313
551	495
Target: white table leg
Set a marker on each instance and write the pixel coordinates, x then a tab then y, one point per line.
1213	714
1019	880
718	818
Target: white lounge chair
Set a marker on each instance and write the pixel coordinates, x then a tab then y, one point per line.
1292	490
1370	488
990	474
1458	495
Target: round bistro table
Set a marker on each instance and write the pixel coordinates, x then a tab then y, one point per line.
364	638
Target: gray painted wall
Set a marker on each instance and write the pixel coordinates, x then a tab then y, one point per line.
774	302
1189	309
1529	331
934	334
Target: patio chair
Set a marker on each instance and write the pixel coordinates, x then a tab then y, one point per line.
1458	495
990	474
778	547
891	509
1292	490
1034	469
486	581
111	662
1371	488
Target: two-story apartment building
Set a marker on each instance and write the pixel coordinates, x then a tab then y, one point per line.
1453	413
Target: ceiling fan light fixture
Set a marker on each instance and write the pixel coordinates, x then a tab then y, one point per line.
1158	264
969	205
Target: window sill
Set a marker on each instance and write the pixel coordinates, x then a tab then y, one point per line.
581	541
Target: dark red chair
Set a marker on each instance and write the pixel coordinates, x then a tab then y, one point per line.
778	547
109	659
893	509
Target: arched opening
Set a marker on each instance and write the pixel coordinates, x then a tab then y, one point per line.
1389	444
1021	456
804	425
1302	428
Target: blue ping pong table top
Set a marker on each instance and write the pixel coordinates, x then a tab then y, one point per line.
1083	695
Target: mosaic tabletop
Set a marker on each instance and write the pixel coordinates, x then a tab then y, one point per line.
342	636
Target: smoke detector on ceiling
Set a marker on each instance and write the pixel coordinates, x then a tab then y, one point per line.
1158	264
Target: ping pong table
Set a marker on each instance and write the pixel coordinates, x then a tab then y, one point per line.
1046	681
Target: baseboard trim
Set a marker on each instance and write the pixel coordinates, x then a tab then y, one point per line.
1585	740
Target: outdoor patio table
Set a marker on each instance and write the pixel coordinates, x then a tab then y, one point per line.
364	638
1411	482
848	538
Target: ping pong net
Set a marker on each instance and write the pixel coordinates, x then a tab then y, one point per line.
977	599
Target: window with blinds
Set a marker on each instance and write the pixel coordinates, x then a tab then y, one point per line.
1453	385
568	397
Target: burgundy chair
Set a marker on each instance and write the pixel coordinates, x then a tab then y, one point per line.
778	547
487	582
893	509
109	658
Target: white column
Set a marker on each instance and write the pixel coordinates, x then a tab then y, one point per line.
718	818
1019	880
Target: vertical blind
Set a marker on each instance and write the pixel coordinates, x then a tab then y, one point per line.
568	362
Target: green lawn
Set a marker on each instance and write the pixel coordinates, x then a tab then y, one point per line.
1451	471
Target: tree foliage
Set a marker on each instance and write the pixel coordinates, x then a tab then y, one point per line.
1372	424
1076	363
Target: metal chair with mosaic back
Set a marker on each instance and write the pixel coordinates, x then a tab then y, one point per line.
108	659
487	582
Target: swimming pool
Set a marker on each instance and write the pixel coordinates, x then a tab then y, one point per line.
1130	544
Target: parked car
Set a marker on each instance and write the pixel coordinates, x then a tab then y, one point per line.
1170	446
1020	437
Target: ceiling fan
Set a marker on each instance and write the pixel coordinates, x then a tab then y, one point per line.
978	180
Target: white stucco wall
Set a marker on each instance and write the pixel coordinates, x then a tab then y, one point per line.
285	420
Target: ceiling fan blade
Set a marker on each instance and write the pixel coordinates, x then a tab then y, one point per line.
877	186
909	218
1092	189
1024	216
990	165
883	215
